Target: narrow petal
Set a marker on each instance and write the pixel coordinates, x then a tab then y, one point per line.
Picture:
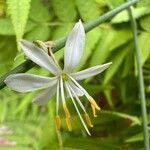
22	82
38	56
90	71
45	96
74	47
75	89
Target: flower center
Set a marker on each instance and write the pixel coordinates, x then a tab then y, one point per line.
64	77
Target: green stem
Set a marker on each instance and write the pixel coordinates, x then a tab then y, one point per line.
141	81
58	44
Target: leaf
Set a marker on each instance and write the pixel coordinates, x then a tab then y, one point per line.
87	10
117	60
101	53
19	10
113	115
137	13
7	53
65	10
88	144
38	33
6	27
112	4
92	39
144	42
39	12
145	23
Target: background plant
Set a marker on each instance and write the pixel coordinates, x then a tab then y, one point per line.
119	124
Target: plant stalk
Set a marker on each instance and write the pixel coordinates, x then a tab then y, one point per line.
140	80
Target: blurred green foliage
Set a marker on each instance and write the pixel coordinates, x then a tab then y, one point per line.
118	126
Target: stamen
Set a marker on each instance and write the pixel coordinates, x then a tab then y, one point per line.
66	110
68	122
92	101
88	120
58	122
94	111
67	87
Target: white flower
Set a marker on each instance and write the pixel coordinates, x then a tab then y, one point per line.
64	79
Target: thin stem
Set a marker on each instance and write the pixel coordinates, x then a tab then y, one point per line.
141	80
58	44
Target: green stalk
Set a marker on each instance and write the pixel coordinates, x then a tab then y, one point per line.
140	80
58	44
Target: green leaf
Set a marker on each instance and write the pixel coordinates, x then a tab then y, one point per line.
65	10
112	4
88	144
145	23
19	10
7	53
137	13
144	42
38	33
92	39
87	10
116	115
117	60
39	12
6	27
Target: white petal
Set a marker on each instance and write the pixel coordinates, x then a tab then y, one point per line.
45	96
22	82
38	56
90	71
74	47
75	89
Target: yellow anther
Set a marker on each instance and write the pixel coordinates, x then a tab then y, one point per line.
58	122
68	122
66	110
88	120
94	111
92	101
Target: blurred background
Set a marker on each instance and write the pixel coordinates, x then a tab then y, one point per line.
25	126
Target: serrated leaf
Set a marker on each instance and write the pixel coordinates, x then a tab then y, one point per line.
87	10
144	42
65	10
145	23
38	33
19	10
137	13
117	60
39	12
100	54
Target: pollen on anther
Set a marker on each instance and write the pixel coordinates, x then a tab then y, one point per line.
58	122
88	120
68	122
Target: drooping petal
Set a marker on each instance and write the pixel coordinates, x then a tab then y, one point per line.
90	72
22	82
74	47
45	96
75	89
38	56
